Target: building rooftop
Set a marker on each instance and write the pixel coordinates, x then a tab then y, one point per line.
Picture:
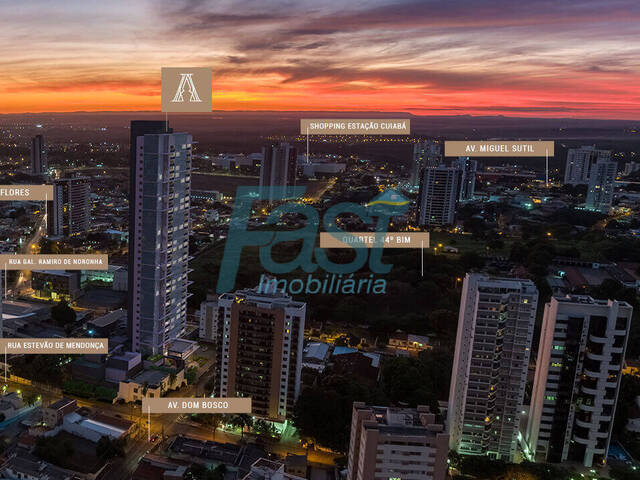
264	294
35	468
104	429
587	300
57	273
181	345
222	452
402	421
316	351
63	402
151	377
110	318
343	350
127	356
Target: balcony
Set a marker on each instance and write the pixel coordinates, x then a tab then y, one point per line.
590	391
583	441
596	357
588	408
584	424
597	339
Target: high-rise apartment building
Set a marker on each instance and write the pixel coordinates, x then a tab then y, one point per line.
388	442
467	184
601	185
278	170
425	154
580	162
495	327
578	371
159	203
38	155
69	211
438	195
138	128
259	340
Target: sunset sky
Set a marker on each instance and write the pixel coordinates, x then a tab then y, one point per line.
572	58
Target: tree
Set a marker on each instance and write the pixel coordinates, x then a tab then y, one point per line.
53	450
432	367
262	427
172	379
198	471
108	448
62	313
623	472
330	399
191	375
241	421
40	368
471	261
212	420
30	398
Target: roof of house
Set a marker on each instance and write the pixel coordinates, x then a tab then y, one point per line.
63	402
110	318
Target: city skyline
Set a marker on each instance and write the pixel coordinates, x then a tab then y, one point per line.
563	60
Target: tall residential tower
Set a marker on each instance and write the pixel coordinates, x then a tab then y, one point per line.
259	341
69	212
578	371
159	203
438	196
278	170
495	327
467	186
425	154
580	162
601	185
38	155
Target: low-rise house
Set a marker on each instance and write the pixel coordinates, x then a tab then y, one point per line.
265	469
12	405
93	427
315	355
409	342
18	467
155	467
121	366
152	383
106	325
53	414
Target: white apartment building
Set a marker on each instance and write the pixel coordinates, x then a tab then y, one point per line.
388	442
495	328
601	186
159	240
580	162
578	371
425	154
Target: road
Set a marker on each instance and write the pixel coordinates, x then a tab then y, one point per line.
31	246
167	425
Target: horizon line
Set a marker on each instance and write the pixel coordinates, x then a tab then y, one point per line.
386	112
